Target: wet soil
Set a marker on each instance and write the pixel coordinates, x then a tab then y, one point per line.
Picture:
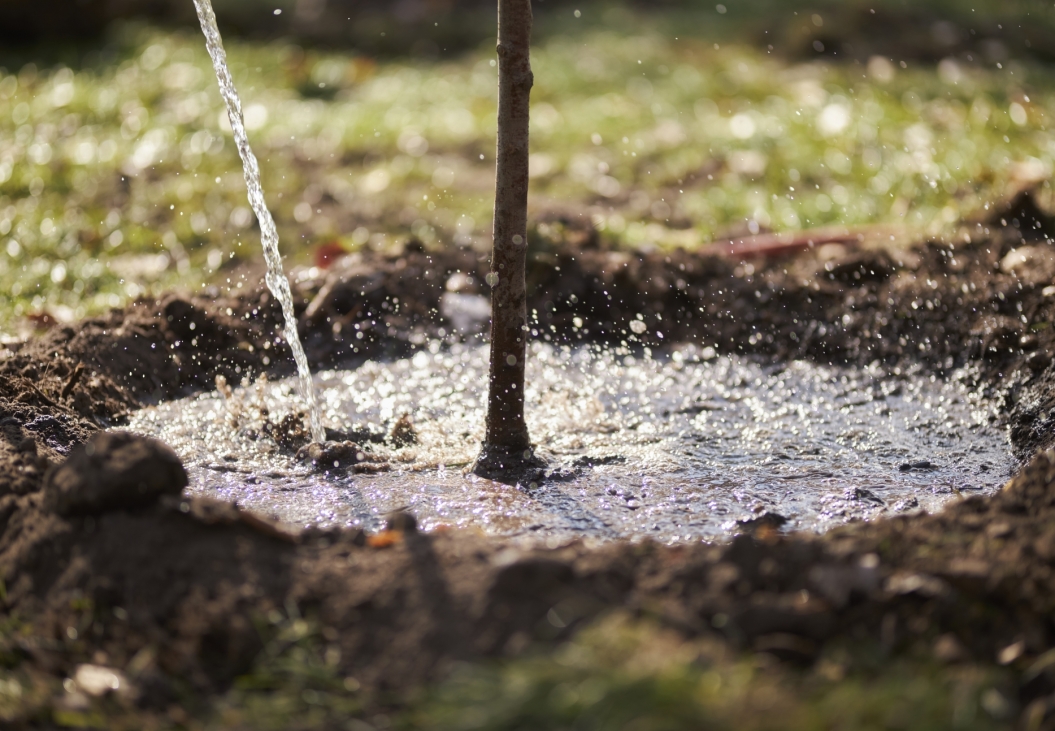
169	592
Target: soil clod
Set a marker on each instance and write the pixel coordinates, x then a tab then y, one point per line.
403	432
332	455
767	521
114	471
918	465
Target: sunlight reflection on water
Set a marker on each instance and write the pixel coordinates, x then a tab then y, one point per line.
676	445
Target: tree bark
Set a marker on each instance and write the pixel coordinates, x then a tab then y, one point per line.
507	446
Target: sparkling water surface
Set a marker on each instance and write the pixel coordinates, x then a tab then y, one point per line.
680	445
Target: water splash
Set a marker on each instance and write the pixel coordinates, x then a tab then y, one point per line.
276	276
678	445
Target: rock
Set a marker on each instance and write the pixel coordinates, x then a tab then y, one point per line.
860	267
1011	653
904	583
1025	215
114	471
907	504
98	680
996	334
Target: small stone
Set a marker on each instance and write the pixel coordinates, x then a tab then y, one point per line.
114	471
99	680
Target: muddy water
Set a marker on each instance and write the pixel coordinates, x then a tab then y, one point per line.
680	445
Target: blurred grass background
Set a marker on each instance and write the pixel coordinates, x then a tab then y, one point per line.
625	674
666	124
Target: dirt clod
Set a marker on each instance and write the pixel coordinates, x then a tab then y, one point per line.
331	455
114	471
403	432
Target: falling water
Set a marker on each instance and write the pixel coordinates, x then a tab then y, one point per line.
276	277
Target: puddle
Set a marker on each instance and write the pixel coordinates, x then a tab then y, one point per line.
676	446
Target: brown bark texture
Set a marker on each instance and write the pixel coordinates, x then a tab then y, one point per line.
507	441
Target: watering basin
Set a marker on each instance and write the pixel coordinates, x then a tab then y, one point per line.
676	445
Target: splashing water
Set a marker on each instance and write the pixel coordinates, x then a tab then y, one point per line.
675	446
276	277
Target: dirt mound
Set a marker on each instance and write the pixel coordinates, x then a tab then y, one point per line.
189	581
113	470
944	305
178	594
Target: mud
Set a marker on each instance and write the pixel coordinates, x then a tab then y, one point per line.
169	592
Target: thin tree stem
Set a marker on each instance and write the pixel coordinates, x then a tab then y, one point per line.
505	412
506	429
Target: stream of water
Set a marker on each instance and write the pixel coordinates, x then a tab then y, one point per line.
276	276
680	445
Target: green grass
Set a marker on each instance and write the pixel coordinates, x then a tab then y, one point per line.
626	674
295	683
622	674
118	178
618	674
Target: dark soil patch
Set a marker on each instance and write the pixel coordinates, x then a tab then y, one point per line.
187	581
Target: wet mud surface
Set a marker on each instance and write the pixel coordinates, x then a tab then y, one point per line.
183	577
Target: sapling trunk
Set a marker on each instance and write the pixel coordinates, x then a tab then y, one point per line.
507	449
